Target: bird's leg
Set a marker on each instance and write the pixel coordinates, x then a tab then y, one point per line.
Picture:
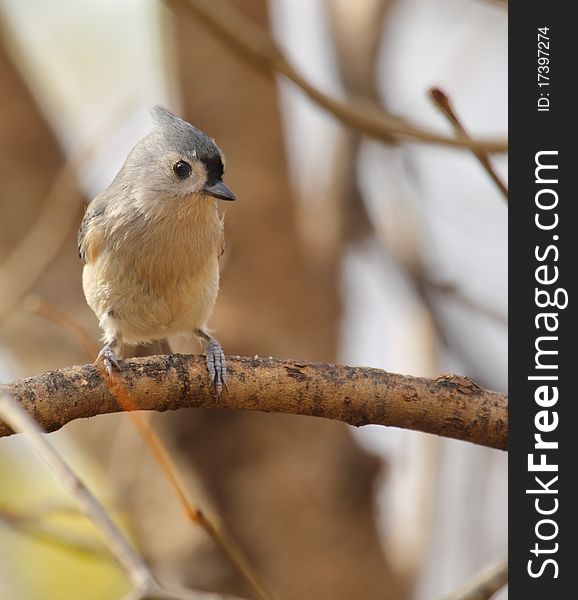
215	360
109	356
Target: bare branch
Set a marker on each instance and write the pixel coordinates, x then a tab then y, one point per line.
145	585
441	100
451	406
254	44
484	584
177	593
19	420
158	450
55	315
38	530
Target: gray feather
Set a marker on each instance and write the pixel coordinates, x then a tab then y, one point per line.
183	137
94	211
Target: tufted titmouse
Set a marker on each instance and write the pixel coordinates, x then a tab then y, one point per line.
152	240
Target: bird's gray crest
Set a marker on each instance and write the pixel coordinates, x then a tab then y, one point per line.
182	136
163	117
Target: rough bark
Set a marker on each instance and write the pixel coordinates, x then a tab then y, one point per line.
451	406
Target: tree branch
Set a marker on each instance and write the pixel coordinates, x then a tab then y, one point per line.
442	101
484	584
451	405
249	41
19	420
145	587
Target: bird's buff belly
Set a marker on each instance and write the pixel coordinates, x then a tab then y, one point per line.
137	312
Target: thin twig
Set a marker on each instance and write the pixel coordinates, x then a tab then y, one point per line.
233	553
55	537
484	584
145	585
254	44
52	313
161	455
41	244
451	405
454	292
30	524
177	593
20	421
157	449
442	101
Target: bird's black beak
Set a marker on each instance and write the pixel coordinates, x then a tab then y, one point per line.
219	190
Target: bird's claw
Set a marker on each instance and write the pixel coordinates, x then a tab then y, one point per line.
109	359
216	366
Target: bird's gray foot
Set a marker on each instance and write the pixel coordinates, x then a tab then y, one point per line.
109	358
216	365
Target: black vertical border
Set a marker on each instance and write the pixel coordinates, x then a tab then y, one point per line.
531	131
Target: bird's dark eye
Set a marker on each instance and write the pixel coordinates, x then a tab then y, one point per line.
182	169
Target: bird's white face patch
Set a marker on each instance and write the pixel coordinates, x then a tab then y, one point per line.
182	175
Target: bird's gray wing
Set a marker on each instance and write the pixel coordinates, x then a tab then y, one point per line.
90	233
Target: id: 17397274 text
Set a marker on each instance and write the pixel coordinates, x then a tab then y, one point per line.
543	69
